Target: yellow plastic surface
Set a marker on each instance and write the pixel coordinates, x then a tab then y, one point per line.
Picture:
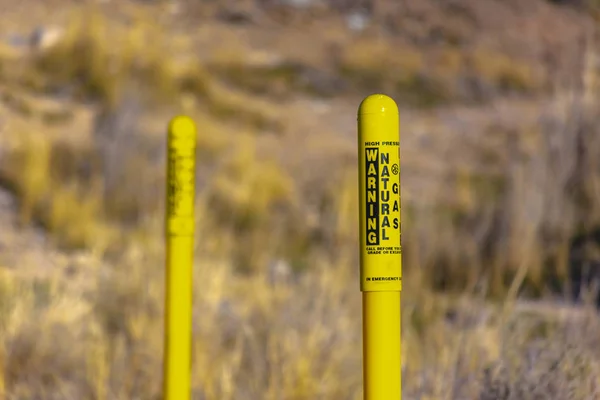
382	374
380	246
179	257
379	183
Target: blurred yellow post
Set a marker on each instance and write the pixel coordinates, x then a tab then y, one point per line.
179	258
380	246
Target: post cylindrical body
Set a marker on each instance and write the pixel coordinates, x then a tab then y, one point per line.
380	246
179	258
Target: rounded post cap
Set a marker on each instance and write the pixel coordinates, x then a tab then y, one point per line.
377	104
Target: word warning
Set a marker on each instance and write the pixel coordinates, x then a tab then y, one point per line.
180	193
382	202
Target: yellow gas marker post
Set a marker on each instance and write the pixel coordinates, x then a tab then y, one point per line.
380	246
179	258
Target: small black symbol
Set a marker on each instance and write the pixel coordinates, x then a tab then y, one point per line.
395	169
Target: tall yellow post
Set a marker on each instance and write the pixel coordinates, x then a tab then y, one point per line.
380	246
179	258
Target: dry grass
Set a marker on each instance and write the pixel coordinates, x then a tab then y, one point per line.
277	306
260	337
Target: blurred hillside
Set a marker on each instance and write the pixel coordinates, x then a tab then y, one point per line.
500	155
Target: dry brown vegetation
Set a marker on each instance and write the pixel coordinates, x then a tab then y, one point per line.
501	199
